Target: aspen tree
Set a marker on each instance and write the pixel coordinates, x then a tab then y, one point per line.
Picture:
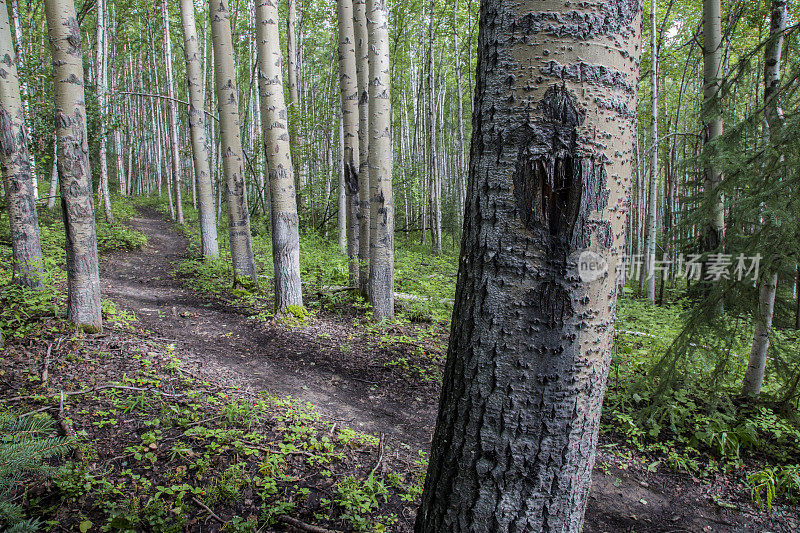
172	115
77	204
362	73
277	150
101	64
26	250
652	198
202	172
712	118
543	237
754	376
231	143
20	59
349	96
381	241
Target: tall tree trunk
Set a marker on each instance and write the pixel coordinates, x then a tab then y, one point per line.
20	55
712	117
231	143
172	114
460	167
433	170
294	93
101	63
530	346
285	222
202	172
77	204
381	257
341	193
362	72
754	376
26	250
652	198
348	89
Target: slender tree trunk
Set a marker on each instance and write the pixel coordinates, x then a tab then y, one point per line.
341	193
460	167
202	172
102	104
349	96
20	55
362	72
172	115
51	200
77	204
285	222
543	237
381	257
433	170
652	198
712	116
26	250
231	143
754	376
294	94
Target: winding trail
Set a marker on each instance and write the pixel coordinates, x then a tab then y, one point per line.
310	364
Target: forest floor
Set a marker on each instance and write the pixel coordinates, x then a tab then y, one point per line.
357	389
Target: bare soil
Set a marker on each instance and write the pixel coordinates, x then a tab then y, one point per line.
357	388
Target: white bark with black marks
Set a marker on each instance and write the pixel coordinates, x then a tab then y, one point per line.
77	203
277	150
349	96
172	114
530	347
26	250
231	143
381	238
194	79
362	73
101	64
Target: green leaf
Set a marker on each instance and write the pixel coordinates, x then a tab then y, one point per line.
85	526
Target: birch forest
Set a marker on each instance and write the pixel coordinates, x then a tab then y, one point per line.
392	266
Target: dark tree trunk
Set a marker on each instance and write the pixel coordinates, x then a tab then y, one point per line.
530	346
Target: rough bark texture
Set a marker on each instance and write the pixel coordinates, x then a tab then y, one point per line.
285	223
349	90
172	115
712	115
381	241
20	58
51	200
101	62
197	126
16	167
77	204
362	72
530	346
231	142
754	376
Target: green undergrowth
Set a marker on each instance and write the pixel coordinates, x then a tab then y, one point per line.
160	448
22	309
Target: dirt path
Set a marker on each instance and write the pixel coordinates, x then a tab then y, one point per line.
308	364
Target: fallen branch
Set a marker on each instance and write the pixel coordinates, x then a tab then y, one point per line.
204	506
45	373
381	447
295	523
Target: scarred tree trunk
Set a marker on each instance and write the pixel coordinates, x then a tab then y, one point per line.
77	204
101	63
530	346
362	72
172	115
24	89
231	143
194	80
285	222
754	376
26	250
381	238
348	89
